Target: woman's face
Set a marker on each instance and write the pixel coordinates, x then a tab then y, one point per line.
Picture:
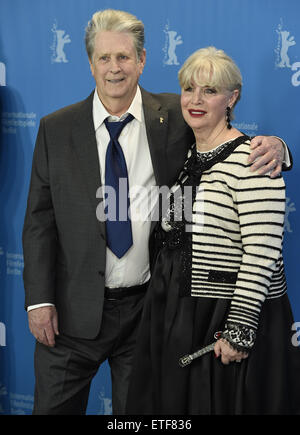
203	107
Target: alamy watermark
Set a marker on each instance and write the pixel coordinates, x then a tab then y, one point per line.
146	204
296	336
2	334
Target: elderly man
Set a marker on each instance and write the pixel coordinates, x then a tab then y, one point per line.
85	280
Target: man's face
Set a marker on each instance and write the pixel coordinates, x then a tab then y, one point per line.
116	70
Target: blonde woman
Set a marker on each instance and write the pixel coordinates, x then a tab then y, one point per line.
218	267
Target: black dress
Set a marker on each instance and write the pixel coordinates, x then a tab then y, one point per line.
173	325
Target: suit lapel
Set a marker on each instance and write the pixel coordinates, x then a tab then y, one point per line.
156	120
85	145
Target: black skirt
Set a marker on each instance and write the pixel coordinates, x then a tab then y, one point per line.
267	382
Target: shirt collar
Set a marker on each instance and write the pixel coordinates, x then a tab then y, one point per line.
100	113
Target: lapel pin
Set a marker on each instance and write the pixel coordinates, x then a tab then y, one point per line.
161	120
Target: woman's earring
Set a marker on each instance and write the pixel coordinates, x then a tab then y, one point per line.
228	112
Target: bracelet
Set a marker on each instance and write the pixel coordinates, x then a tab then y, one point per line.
240	337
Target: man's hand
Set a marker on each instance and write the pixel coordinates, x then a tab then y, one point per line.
43	324
267	155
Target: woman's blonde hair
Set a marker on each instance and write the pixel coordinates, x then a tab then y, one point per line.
211	67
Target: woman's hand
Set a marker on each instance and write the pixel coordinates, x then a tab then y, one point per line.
228	354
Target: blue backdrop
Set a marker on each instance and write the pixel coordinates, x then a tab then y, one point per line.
43	66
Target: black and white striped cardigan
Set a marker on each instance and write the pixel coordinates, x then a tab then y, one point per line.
237	235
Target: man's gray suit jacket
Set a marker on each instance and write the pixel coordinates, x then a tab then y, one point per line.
64	243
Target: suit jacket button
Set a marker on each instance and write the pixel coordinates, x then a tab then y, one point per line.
101	272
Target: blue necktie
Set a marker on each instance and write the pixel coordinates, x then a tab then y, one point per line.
118	232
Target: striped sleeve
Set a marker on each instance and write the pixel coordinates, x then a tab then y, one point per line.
260	203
